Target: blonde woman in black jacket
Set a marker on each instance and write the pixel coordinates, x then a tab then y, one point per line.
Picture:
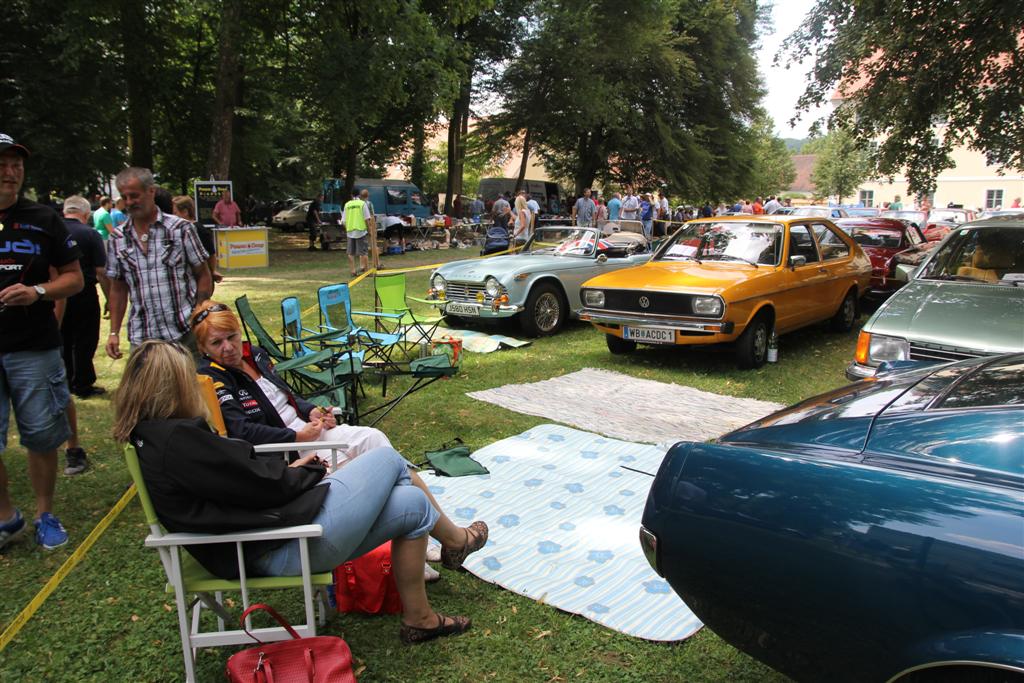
202	482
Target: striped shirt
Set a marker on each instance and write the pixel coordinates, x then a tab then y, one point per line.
161	284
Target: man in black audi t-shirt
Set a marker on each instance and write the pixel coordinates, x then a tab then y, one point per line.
33	240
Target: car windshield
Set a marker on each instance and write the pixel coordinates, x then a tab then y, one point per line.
752	242
818	211
983	254
912	216
859	211
876	237
563	241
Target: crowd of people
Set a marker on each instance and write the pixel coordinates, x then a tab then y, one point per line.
155	259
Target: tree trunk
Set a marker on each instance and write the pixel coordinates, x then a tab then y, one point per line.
136	39
418	160
453	146
458	125
351	156
523	164
229	74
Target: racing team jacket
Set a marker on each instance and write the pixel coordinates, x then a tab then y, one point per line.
248	413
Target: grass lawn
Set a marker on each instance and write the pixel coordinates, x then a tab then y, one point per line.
110	619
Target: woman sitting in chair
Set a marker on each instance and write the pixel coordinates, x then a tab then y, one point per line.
201	482
257	405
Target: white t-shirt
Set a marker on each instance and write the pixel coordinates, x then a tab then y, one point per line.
631	208
533	206
281	404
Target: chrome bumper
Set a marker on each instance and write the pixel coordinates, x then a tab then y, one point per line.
855	372
692	324
484	311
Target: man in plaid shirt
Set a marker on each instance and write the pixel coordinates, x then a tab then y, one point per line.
159	263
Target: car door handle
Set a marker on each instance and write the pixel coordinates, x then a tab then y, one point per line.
823	270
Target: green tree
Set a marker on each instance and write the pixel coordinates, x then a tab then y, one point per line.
772	171
919	79
842	163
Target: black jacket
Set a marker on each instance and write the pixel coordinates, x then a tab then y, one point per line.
248	413
201	482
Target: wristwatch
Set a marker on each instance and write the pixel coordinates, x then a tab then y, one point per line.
39	290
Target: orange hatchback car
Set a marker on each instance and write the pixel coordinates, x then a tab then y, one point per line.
732	279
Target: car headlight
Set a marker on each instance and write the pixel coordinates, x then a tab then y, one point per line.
880	347
492	287
437	282
593	297
707	305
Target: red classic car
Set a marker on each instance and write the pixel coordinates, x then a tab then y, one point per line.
881	239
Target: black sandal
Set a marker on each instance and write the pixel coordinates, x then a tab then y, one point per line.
446	626
476	538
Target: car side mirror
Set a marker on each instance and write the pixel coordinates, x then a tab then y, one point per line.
602	258
797	261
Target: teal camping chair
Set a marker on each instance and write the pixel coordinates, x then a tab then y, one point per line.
336	315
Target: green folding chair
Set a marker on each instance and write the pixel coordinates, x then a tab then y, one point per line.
392	298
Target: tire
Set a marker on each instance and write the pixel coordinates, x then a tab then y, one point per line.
545	313
846	316
752	346
618	345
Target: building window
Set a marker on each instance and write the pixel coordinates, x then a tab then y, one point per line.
993	199
867	198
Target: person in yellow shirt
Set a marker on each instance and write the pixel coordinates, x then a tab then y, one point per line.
357	216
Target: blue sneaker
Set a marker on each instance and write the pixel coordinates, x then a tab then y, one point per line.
49	532
10	530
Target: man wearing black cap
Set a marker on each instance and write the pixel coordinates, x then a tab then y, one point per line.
33	240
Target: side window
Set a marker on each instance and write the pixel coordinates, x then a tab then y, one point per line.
832	245
397	195
1001	384
802	244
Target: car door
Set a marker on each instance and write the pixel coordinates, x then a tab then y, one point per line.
799	301
835	260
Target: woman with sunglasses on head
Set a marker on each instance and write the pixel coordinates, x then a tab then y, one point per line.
201	482
257	405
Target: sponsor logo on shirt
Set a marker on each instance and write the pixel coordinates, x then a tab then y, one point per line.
20	247
27	226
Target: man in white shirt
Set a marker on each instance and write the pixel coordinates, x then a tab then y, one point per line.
534	208
772	206
630	206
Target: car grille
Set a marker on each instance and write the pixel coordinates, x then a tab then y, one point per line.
463	291
942	353
661	303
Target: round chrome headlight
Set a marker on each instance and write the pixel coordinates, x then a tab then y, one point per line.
492	287
437	282
593	297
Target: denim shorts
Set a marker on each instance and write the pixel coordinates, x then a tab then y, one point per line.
35	384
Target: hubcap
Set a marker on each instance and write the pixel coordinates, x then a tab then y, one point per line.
760	341
545	314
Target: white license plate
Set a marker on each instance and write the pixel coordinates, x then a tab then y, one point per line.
651	335
456	308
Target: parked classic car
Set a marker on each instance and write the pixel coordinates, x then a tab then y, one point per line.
965	300
873	533
919	219
541	284
820	211
862	211
293	217
732	279
881	239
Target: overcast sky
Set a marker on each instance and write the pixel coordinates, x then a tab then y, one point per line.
784	87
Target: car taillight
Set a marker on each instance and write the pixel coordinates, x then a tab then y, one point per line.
863	345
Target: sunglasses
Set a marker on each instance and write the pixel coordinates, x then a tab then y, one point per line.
216	308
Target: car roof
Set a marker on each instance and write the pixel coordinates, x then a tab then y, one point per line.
871	222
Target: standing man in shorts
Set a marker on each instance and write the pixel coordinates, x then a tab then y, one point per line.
33	239
358	217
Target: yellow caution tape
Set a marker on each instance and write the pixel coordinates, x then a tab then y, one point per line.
33	606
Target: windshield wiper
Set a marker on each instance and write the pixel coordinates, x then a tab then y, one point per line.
730	256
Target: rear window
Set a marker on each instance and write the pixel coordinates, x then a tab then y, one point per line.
1001	384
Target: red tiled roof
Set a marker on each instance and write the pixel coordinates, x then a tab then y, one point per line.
804	164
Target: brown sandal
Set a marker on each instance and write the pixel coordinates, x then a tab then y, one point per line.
446	626
476	538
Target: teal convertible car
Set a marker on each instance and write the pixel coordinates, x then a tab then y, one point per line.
540	285
873	533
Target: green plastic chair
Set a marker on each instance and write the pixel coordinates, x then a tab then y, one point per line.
393	299
186	577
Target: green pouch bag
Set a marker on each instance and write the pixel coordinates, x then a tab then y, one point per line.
452	460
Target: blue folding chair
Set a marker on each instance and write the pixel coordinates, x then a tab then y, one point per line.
336	315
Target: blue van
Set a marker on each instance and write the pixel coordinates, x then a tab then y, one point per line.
389	196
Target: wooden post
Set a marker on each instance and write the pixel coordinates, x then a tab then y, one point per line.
374	251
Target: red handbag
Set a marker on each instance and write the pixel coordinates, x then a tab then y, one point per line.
367	585
321	659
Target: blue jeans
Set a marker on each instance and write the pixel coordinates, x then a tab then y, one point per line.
648	227
35	384
372	500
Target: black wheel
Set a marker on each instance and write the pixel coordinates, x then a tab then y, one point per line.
844	318
545	312
619	345
752	346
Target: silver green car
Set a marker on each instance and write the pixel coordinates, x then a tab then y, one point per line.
965	300
540	284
